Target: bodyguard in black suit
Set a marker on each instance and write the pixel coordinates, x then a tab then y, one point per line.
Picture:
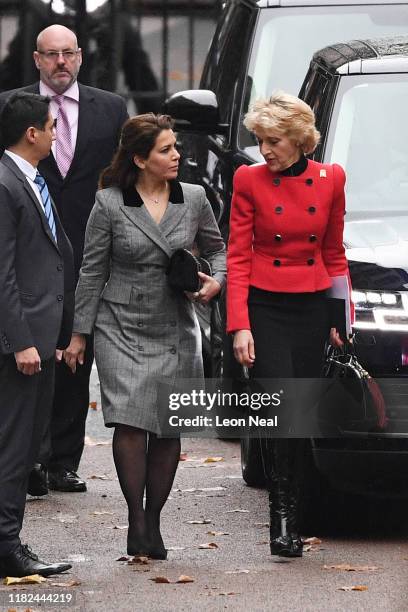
36	312
95	119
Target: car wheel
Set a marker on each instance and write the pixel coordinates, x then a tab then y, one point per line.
251	462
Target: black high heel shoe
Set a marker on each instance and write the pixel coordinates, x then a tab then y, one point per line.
156	548
136	544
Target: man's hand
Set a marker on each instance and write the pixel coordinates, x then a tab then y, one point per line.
244	347
58	355
209	289
75	352
28	361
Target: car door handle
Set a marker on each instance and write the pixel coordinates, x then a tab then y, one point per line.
191	163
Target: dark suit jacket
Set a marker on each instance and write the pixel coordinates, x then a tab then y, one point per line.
37	281
101	116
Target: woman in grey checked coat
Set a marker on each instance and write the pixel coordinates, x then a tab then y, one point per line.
143	328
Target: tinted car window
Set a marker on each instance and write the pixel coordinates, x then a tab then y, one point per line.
227	57
286	39
368	136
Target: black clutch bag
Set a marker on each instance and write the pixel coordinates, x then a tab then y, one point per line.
351	399
183	269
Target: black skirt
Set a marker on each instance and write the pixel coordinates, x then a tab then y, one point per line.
290	331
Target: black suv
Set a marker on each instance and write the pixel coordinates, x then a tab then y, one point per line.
259	47
358	92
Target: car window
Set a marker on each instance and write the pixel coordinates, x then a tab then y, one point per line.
286	39
227	57
368	136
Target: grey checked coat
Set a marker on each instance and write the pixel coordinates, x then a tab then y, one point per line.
143	328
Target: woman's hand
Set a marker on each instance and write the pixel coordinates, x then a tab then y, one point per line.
75	352
244	348
209	289
334	338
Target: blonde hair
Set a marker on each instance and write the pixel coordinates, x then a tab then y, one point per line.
287	115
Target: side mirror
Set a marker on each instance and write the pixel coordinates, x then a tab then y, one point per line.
195	110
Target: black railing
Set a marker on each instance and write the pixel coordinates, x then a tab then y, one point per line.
142	50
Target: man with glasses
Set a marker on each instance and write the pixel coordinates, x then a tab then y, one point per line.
88	124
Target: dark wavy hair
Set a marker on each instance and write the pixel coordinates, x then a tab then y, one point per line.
138	137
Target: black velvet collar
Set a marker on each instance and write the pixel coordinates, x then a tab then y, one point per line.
132	198
297	168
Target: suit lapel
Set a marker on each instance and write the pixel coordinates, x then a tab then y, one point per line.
141	218
176	209
172	217
21	177
40	209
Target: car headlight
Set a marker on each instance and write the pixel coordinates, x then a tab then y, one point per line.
383	310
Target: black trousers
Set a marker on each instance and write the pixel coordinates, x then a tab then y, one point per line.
25	406
63	440
290	331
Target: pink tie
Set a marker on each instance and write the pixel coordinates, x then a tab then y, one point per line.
63	145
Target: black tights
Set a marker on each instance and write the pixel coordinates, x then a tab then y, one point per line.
145	462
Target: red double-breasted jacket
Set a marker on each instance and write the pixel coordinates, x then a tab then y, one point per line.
286	234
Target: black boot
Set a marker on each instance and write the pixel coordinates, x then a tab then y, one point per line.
284	496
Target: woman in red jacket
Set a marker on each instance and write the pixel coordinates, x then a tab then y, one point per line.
285	255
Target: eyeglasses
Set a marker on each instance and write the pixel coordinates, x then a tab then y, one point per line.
54	55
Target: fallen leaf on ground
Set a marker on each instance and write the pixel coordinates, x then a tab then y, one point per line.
139	560
93	405
346	567
218	533
71	583
99	477
124	558
213	459
160	580
91	442
101	512
209	545
230	593
236	510
261	524
262	543
312	541
238	571
200	522
65	518
33	579
183	457
183	579
355	587
119	527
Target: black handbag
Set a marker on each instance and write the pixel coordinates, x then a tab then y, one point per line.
351	399
183	270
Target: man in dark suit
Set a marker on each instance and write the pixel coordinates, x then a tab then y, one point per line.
89	121
36	313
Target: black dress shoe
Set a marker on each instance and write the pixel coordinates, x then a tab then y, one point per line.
37	481
23	562
65	480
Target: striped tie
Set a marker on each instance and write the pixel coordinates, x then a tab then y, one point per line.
63	144
45	196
